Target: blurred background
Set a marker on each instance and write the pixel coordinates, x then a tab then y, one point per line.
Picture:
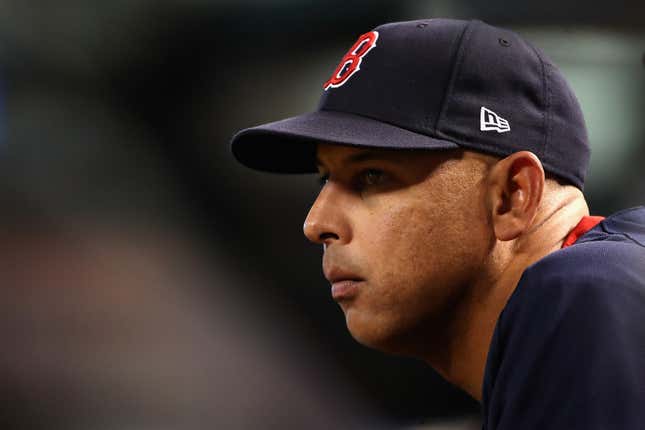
148	281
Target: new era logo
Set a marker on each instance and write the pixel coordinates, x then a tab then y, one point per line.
489	120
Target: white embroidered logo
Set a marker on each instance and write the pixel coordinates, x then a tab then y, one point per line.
489	120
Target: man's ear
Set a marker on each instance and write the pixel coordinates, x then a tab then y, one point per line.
516	185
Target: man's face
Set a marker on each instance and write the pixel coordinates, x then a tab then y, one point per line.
405	233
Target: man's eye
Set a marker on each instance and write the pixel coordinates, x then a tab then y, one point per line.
371	177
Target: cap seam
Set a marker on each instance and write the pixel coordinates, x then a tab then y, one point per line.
460	54
549	121
546	94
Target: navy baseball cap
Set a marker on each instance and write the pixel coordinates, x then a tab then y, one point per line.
434	84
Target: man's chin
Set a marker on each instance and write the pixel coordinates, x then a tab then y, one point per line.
375	334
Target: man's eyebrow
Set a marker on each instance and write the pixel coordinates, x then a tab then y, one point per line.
361	156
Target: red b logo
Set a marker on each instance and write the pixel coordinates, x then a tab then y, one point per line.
351	62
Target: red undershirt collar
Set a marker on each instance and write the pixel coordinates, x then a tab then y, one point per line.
585	224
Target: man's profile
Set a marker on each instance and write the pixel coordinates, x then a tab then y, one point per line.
452	157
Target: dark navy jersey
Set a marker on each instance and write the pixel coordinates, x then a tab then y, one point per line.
568	351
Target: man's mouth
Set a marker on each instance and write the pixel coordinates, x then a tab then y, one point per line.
344	285
345	289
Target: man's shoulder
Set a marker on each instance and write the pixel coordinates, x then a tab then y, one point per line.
627	226
574	332
601	275
609	256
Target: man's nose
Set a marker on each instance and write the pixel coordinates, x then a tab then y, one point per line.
327	221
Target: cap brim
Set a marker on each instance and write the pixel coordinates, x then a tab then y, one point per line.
289	146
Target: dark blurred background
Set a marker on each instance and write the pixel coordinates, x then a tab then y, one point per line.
148	279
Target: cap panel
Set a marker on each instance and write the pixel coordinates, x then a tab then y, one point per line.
403	78
500	72
567	146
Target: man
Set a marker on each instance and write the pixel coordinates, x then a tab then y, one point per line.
452	156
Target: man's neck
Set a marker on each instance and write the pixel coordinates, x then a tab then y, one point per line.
463	361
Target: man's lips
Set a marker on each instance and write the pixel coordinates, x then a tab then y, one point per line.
345	289
344	285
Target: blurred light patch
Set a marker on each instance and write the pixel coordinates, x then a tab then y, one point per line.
107	328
